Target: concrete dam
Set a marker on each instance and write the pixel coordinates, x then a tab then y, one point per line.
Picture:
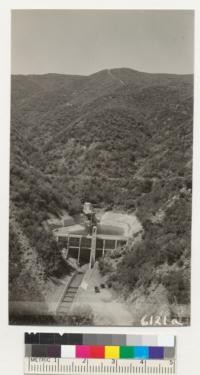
89	241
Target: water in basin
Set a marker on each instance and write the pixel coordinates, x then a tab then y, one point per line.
102	229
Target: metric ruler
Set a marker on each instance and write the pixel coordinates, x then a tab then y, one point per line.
65	366
89	354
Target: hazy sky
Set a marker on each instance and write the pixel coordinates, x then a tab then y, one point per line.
83	42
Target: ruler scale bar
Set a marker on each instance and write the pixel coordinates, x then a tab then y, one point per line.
62	366
99	354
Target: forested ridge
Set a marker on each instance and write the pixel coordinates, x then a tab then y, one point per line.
119	138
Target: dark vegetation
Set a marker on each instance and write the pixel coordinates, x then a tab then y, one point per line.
168	243
120	140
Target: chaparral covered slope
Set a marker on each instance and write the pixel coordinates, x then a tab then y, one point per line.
119	138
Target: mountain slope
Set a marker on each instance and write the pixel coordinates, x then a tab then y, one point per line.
118	138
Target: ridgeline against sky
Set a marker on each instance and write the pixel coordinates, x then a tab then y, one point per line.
86	41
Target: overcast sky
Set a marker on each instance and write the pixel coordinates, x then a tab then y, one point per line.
83	42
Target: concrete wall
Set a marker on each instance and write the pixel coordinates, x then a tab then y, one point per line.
80	247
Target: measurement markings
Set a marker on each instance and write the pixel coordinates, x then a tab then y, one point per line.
66	366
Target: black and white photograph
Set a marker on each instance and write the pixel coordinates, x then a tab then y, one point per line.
101	145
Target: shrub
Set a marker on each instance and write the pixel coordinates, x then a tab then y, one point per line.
105	266
178	286
81	315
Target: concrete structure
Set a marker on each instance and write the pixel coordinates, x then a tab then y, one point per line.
79	246
89	241
90	217
93	246
87	208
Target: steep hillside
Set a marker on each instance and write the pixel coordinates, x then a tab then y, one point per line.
118	138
